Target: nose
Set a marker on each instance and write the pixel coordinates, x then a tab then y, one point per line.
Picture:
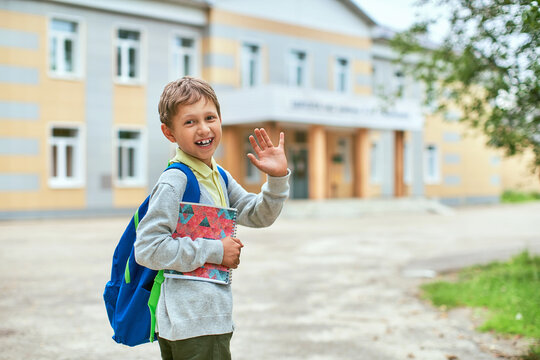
203	127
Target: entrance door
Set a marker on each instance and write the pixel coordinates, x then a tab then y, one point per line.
299	161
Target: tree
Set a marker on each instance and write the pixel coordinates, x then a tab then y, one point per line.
487	64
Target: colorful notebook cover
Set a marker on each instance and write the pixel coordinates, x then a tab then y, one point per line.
209	222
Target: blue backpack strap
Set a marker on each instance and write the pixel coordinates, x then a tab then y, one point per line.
224	176
192	193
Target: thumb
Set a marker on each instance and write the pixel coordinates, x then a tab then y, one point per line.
238	242
254	160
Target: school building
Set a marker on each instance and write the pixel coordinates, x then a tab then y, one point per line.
80	81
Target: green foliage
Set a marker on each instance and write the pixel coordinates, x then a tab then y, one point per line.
487	65
511	196
510	291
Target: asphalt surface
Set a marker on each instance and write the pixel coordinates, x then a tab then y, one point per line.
335	284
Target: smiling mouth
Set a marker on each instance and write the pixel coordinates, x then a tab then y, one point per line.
205	142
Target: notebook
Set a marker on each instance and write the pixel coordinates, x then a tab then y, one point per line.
209	222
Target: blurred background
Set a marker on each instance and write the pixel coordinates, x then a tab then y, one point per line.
80	81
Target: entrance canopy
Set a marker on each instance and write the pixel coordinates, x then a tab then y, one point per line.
318	107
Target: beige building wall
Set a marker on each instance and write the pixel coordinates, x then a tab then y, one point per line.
517	173
60	102
468	168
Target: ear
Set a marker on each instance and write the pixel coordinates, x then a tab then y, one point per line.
168	133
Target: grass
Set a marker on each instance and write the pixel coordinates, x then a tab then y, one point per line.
511	196
510	291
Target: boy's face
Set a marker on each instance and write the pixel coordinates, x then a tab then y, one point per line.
196	129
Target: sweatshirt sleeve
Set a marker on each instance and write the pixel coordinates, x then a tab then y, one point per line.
155	248
262	209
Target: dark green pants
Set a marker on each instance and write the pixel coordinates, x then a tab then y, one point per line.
210	347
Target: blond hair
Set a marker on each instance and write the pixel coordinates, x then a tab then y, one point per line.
184	91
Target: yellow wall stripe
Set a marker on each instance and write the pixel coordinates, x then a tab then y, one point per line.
23	22
218	16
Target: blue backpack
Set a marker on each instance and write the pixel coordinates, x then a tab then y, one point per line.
132	293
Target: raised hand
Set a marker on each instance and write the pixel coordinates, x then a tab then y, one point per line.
270	159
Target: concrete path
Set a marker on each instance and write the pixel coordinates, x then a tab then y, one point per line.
342	287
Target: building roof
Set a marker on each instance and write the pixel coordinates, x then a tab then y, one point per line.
355	8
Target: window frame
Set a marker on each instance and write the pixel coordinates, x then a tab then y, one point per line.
348	74
79	145
140	77
175	49
431	179
79	46
292	66
258	70
140	146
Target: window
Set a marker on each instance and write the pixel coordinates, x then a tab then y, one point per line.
253	175
183	57
250	65
374	163
400	83
341	79
128	55
64	47
129	158
66	158
297	68
431	162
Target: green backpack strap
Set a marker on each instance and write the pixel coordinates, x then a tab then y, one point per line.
153	301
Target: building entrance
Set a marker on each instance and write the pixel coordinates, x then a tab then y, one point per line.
298	161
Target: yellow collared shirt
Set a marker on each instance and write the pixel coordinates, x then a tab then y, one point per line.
207	177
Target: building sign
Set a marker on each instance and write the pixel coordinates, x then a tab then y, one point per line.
309	106
337	109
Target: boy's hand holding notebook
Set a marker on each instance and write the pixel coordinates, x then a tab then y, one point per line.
231	252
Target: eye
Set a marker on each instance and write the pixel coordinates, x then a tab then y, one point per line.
211	118
189	122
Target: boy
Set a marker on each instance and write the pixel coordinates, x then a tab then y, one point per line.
194	318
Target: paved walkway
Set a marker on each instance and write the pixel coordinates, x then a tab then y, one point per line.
342	287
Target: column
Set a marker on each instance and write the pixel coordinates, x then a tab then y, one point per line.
399	184
232	157
317	165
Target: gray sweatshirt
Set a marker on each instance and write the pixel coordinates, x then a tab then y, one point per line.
190	308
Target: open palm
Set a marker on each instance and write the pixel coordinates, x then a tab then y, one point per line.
270	159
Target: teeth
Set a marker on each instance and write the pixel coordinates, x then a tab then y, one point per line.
204	142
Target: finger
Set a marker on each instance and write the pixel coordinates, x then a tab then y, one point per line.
254	144
267	138
260	139
281	140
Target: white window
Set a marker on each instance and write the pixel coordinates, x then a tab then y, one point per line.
130	163
64	46
183	57
297	68
65	144
128	55
375	163
431	164
251	65
253	175
399	83
342	75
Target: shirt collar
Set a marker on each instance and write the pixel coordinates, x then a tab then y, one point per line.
195	163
